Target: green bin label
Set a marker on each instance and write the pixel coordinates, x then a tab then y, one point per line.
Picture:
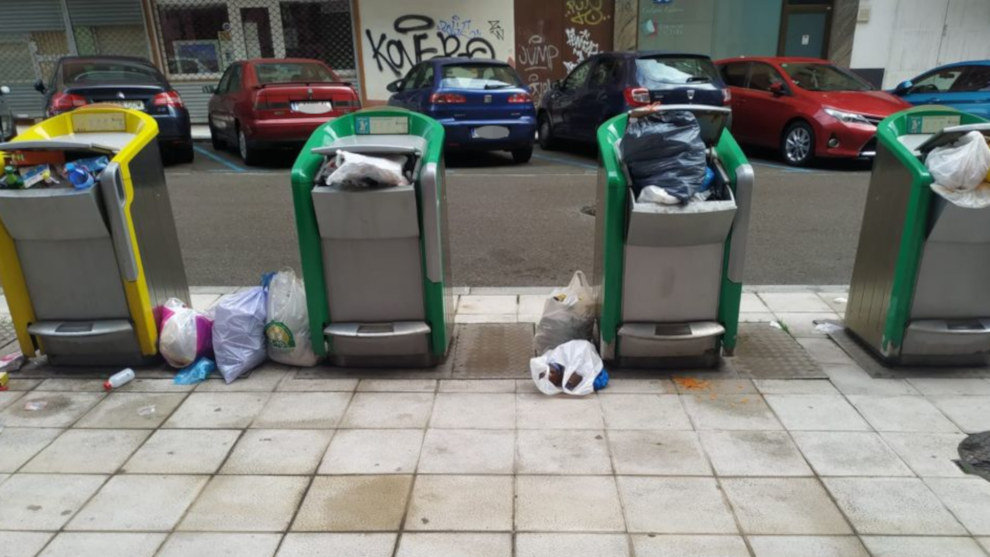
374	125
930	124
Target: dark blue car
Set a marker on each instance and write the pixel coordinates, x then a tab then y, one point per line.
611	83
482	104
964	86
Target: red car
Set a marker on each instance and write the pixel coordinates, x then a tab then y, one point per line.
267	102
806	107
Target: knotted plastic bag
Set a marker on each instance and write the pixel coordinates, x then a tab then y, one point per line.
239	332
185	334
287	330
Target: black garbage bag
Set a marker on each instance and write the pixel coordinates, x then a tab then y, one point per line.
665	149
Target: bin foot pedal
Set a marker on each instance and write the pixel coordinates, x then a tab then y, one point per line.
953	341
666	344
82	343
394	344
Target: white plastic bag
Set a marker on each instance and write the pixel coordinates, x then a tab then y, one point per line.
287	330
356	171
569	314
185	334
570	368
239	332
962	165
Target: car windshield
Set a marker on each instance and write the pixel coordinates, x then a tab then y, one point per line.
75	72
293	72
479	76
824	77
665	70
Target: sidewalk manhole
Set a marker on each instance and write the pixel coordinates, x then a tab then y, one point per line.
765	352
974	455
493	350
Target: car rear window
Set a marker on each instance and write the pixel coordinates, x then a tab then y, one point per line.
293	72
665	70
479	76
75	72
824	77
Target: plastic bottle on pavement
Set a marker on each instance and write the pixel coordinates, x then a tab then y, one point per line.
122	377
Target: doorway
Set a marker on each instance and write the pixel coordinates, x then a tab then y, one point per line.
804	28
257	33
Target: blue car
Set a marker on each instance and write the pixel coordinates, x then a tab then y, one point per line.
964	86
482	104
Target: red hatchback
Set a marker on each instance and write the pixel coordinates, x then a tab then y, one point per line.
269	102
806	107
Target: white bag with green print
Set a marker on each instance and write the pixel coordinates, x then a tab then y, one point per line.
287	329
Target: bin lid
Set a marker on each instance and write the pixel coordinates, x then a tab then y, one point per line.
712	119
951	134
101	142
375	144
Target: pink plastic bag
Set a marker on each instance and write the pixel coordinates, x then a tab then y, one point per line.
185	334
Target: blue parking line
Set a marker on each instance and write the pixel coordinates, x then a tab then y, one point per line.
563	160
219	159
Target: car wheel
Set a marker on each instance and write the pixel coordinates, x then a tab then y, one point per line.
798	144
183	152
522	155
215	139
249	154
547	140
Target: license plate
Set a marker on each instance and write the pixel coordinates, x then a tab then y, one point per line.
490	132
312	107
133	105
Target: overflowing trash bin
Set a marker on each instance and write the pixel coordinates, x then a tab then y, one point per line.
88	246
371	214
918	293
673	203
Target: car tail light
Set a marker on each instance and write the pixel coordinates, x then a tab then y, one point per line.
636	96
728	96
520	98
66	101
168	98
447	98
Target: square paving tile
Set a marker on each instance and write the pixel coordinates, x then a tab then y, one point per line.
689	546
474	410
88	451
753	453
849	453
948	386
660	453
568	504
72	384
486	304
44	501
826	352
60	409
263	379
175	451
532	304
700	385
478	503
149	385
675	506
298	383
278	451
7	398
730	412
302	411
353	503
475	386
922	546
373	451
398	385
21	443
644	412
468	451
23	544
131	410
571	545
783	506
896	506
337	545
215	544
539	411
850	379
562	451
928	454
816	413
139	502
807	546
902	413
782	302
388	410
795	387
630	384
245	504
968	499
804	324
98	544
217	410
429	544
968	412
750	302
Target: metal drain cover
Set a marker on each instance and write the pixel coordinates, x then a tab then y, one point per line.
974	455
765	352
493	350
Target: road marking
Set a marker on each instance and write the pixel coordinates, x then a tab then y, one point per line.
563	160
220	159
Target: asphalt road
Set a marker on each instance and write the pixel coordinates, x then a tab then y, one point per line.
513	225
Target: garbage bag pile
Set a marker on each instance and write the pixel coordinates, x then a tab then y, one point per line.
53	172
961	171
665	156
349	171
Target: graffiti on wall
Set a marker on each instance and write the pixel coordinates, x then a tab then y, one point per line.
585	12
417	37
535	58
582	46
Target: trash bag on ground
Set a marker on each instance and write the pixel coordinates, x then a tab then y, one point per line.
287	329
665	149
356	171
185	334
196	372
239	332
568	314
961	166
570	368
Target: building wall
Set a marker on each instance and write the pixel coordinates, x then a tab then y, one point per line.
718	28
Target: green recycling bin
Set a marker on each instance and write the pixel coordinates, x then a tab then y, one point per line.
669	278
376	261
919	289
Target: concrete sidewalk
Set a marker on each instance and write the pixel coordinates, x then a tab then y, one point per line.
294	462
